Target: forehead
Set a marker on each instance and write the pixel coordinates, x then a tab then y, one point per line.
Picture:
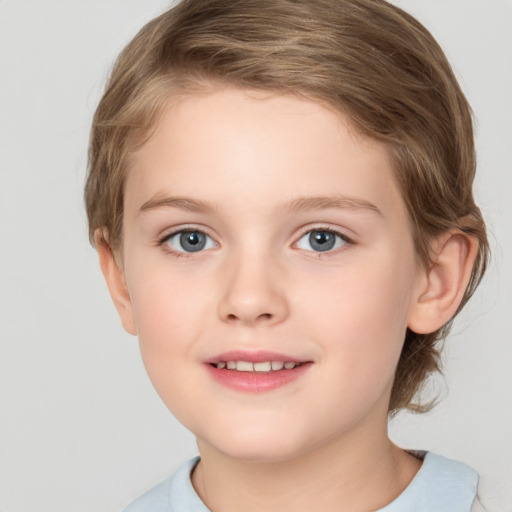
248	146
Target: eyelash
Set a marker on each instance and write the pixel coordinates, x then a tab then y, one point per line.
317	254
162	242
347	241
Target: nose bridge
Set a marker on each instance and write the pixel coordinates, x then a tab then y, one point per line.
252	287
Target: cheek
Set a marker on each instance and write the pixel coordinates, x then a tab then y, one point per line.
168	316
166	313
360	318
362	298
169	312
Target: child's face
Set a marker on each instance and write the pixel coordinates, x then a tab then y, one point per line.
298	250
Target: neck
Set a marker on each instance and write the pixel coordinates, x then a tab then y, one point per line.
342	474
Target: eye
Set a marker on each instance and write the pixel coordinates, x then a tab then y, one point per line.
189	241
322	240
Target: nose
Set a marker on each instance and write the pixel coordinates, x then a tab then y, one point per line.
253	292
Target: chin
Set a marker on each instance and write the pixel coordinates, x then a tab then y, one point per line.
260	454
257	444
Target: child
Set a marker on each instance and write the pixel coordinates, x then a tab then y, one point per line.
280	193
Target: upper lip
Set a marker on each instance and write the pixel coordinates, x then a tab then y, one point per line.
257	356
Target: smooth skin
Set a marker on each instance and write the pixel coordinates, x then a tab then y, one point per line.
252	175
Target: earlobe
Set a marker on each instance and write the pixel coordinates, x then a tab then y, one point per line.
444	283
116	282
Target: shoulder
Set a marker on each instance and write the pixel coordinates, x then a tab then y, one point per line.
172	495
441	485
477	506
156	499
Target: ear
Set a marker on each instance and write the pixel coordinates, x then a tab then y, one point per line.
444	283
116	282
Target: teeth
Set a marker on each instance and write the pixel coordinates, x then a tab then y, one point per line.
244	366
262	367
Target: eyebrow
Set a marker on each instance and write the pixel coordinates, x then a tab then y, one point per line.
182	203
332	201
305	203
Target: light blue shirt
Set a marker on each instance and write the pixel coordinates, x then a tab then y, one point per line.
441	485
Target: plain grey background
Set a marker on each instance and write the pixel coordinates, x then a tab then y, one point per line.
81	427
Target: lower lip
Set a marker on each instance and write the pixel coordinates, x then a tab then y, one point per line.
254	382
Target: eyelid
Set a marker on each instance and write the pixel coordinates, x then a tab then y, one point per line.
324	227
164	238
338	232
171	231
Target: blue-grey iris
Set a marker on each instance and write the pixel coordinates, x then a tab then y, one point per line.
322	240
192	241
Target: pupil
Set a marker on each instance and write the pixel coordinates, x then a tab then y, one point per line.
322	240
192	241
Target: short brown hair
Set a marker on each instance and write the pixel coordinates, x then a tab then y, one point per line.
365	58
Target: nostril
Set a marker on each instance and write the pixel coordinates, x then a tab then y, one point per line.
264	316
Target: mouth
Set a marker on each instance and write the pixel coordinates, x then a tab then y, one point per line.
260	367
256	372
